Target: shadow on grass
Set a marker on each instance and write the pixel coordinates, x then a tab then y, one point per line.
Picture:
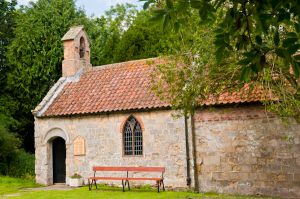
109	188
152	189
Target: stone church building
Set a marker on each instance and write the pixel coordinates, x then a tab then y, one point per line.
109	116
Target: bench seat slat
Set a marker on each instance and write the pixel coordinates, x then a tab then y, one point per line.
107	178
120	178
137	169
144	179
146	169
109	169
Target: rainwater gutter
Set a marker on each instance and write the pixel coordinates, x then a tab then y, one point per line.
187	149
196	179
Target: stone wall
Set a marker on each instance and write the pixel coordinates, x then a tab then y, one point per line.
240	150
243	150
163	140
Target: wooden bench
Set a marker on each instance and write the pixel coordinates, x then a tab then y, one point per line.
125	179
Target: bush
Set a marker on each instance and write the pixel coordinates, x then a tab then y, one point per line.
9	145
13	160
22	165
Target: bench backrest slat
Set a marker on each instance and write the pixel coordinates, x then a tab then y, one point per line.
140	169
147	169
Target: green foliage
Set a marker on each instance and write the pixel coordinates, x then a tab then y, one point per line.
105	32
8	107
9	144
13	160
76	176
260	37
36	53
144	40
22	165
187	78
124	34
7	13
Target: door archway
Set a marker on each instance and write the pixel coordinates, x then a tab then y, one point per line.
59	160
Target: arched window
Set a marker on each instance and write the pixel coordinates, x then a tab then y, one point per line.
132	137
82	47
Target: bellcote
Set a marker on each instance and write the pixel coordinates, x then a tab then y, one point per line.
76	51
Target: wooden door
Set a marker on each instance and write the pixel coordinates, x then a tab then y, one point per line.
59	160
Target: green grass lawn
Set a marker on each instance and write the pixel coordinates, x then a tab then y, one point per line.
12	185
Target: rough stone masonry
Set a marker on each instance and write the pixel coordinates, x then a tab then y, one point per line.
243	150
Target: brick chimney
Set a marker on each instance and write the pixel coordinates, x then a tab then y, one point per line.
76	51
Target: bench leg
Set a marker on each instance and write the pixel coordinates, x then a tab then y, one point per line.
89	184
158	183
123	185
128	185
163	184
95	184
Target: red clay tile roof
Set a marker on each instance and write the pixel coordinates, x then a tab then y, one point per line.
245	95
124	86
116	87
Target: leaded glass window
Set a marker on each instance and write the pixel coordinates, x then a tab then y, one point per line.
132	137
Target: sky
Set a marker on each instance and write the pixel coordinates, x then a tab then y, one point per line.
96	7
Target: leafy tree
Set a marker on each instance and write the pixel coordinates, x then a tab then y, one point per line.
124	34
36	55
7	12
14	161
106	31
259	38
144	40
9	143
188	76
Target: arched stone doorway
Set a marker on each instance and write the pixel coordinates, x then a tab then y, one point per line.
59	160
57	143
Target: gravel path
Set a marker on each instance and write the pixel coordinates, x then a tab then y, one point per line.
47	188
52	187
